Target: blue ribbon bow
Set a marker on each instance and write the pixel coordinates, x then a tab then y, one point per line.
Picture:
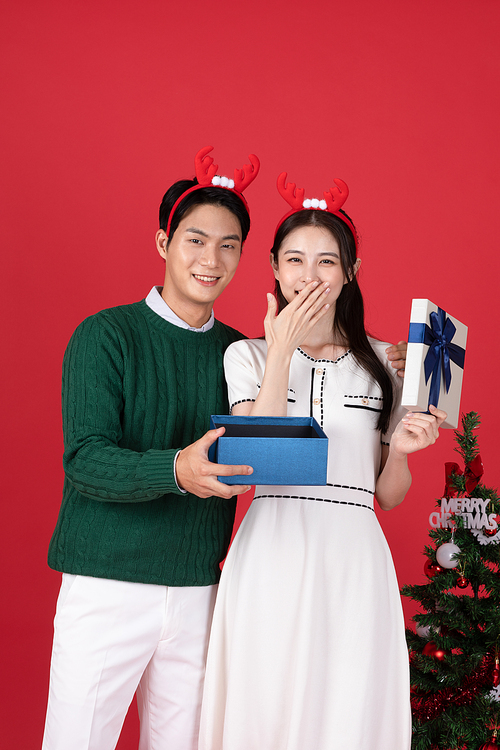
438	338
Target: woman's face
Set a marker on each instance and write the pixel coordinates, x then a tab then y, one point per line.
309	254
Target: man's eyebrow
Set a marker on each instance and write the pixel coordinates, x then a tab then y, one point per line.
195	230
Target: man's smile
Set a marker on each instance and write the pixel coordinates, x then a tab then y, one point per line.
206	280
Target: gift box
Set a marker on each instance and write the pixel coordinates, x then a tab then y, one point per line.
434	361
281	450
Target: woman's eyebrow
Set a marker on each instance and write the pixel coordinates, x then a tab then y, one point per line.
301	252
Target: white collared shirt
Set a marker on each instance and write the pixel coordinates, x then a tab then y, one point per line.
155	301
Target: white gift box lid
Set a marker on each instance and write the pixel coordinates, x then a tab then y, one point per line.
426	334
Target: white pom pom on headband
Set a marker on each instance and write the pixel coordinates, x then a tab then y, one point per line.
206	175
334	199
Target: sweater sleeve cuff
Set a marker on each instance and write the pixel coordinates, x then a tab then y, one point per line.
160	470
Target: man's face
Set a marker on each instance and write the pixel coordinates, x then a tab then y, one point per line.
201	260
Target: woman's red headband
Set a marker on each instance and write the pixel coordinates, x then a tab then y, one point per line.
333	200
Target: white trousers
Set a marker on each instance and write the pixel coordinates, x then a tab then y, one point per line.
112	638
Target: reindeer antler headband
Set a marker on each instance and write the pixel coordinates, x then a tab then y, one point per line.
206	174
333	200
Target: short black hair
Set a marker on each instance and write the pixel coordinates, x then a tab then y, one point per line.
214	196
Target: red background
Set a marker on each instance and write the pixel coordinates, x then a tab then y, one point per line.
104	105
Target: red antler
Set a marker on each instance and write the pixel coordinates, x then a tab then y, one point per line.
204	167
247	174
336	196
294	196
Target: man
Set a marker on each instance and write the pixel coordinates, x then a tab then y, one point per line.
144	522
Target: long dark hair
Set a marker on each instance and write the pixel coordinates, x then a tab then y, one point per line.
214	196
349	322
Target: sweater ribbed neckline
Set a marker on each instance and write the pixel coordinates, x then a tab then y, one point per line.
178	333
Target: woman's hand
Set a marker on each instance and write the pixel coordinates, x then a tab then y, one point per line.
417	431
288	330
284	333
414	432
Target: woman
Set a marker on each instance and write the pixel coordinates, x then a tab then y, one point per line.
307	650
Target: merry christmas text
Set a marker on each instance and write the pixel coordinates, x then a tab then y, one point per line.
471	509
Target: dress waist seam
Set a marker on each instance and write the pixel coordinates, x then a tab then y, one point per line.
317	499
349	487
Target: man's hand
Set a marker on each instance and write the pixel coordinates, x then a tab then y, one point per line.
196	474
396	354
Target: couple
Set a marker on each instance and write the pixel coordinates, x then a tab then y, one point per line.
307	647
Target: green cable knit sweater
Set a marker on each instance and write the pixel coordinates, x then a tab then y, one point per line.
136	389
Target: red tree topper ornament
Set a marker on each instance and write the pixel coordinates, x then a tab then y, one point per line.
473	473
206	174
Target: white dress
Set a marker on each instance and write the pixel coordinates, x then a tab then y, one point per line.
307	650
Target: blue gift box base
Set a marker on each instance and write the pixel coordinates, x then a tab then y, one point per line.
281	450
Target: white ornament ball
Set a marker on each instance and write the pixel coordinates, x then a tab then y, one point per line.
230	184
224	181
307	203
322	205
423	630
445	553
426	631
315	203
216	180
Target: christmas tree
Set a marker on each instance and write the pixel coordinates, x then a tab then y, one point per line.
454	655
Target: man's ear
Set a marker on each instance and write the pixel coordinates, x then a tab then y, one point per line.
161	240
274	266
